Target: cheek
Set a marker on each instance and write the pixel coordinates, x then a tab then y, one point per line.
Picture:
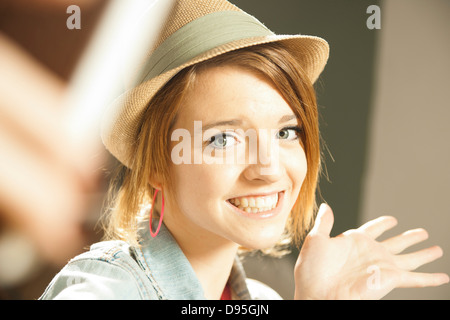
297	168
198	186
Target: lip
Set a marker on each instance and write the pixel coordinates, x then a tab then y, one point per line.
261	215
262	194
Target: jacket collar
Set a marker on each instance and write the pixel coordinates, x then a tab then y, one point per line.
171	273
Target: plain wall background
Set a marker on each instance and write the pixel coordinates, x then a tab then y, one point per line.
408	151
384	117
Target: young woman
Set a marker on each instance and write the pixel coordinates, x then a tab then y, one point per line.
219	151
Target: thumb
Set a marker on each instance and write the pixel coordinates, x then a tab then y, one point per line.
324	221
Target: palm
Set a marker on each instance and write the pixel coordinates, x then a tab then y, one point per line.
356	266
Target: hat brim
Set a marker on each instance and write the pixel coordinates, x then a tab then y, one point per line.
123	117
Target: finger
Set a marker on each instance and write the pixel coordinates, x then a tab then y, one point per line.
50	188
43	127
420	280
324	221
41	103
412	261
377	227
399	243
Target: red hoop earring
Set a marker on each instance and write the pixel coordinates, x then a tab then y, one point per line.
161	215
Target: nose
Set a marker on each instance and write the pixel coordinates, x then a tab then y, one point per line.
264	163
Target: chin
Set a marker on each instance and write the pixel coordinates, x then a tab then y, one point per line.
261	240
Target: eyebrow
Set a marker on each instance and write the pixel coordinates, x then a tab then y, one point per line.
287	118
237	122
234	122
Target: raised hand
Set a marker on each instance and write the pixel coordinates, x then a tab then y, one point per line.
354	265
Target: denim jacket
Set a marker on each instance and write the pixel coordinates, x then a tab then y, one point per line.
157	269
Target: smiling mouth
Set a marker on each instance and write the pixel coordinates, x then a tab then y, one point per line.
256	204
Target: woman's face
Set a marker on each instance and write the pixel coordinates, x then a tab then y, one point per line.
237	162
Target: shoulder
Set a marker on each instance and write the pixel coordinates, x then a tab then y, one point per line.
107	271
261	291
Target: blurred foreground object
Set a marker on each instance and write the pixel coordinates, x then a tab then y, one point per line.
51	153
42	186
127	30
16	268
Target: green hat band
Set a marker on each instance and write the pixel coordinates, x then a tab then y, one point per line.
199	36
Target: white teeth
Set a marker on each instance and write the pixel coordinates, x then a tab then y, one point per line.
256	204
259	202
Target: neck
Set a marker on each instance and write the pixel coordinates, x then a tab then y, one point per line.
212	267
210	256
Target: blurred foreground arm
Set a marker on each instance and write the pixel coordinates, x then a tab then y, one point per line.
44	182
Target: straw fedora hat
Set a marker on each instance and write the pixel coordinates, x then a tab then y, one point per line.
196	30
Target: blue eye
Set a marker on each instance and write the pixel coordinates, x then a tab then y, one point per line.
289	133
